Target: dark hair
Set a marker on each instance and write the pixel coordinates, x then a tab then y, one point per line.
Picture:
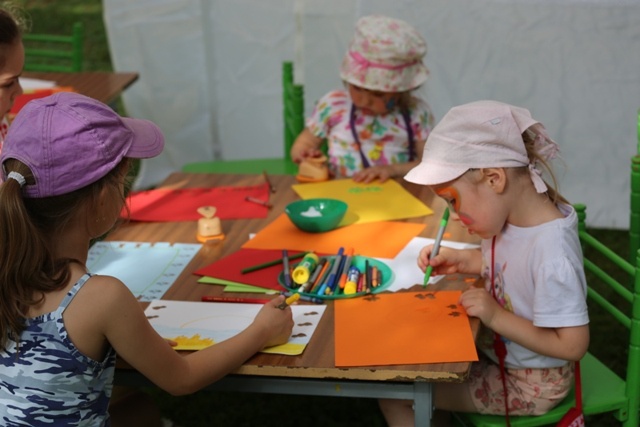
12	23
29	231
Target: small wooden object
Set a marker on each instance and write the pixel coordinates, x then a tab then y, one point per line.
209	227
313	169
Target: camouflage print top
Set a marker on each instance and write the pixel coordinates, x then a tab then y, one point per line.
49	382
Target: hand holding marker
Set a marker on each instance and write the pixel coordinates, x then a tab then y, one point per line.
436	245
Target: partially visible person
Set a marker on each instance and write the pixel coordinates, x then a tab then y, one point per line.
376	128
11	62
484	159
65	162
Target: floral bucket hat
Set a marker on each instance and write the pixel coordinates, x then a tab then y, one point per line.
385	54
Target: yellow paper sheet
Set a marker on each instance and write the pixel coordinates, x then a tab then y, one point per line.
367	202
197	325
377	239
403	328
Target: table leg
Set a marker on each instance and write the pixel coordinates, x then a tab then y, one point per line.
423	405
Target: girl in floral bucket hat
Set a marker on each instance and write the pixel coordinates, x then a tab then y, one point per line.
376	128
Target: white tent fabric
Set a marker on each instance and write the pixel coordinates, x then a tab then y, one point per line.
210	74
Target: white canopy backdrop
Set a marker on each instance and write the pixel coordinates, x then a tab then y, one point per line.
210	74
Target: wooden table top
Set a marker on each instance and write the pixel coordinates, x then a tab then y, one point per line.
105	86
317	361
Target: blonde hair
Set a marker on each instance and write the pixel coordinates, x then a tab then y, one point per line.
529	138
535	158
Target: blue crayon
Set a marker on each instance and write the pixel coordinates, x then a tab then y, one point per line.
285	267
333	275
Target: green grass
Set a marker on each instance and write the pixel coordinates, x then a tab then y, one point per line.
248	409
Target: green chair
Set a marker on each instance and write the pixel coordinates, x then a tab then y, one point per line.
634	220
57	53
293	114
603	391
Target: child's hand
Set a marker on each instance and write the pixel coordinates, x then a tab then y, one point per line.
276	322
299	155
381	173
305	145
450	261
479	303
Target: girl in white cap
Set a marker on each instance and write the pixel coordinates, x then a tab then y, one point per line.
483	159
376	128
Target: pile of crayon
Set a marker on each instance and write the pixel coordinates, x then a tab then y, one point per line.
331	276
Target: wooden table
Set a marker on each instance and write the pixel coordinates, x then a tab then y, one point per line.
314	372
105	86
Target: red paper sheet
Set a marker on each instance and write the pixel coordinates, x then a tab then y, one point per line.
164	204
21	100
403	328
231	266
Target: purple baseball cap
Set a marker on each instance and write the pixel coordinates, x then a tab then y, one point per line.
69	141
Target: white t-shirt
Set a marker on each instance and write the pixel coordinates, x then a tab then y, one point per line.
539	276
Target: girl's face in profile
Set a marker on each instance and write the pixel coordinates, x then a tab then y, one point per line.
473	204
9	85
372	102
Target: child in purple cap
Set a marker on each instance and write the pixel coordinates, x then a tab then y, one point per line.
65	162
11	64
376	128
484	159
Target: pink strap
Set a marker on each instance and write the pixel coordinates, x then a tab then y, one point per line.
365	63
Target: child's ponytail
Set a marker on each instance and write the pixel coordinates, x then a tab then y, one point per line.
540	153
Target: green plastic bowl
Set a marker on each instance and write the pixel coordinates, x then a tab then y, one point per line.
316	215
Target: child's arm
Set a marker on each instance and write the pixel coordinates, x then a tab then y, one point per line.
135	340
450	261
305	145
569	343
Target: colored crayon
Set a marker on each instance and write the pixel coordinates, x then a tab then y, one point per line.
345	269
290	300
266	178
286	269
258	201
270	263
211	298
305	298
325	288
323	274
314	276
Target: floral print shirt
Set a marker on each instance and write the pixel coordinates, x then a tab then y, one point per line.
384	138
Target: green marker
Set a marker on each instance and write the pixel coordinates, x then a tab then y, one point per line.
436	246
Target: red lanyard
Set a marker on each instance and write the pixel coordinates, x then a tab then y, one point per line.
499	346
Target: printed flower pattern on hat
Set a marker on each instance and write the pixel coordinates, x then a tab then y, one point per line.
385	54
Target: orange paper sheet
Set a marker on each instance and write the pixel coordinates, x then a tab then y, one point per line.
403	328
377	239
